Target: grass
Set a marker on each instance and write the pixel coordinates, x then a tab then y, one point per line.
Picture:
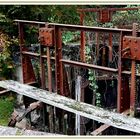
6	108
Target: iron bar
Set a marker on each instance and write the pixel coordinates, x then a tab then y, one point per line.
58	57
110	9
36	55
80	27
82	47
133	77
91	66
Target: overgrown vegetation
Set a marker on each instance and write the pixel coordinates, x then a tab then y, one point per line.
6	108
6	64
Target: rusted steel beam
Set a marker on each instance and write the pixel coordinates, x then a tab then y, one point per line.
27	68
49	70
51	109
82	47
91	66
90	28
80	27
42	70
119	95
133	77
21	44
97	35
110	9
99	114
58	63
31	54
110	47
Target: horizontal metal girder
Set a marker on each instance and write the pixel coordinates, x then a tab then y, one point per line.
92	112
78	27
91	66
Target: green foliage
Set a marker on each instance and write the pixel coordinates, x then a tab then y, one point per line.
92	79
6	65
69	36
126	17
6	108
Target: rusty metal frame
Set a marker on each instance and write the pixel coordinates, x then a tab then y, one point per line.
123	100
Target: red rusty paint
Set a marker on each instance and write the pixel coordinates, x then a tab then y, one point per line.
131	47
123	98
105	14
27	68
128	45
58	63
133	77
82	47
46	36
110	47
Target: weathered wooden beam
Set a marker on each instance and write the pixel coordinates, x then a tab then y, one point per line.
105	126
99	114
4	91
100	129
8	131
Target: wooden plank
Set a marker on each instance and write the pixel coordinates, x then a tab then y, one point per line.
105	126
4	91
100	129
99	114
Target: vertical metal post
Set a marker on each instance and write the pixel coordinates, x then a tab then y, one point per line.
58	63
59	72
49	70
123	98
50	109
119	95
21	44
110	47
82	47
97	44
133	77
42	69
27	68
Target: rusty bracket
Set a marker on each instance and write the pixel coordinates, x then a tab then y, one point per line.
104	15
46	36
131	47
